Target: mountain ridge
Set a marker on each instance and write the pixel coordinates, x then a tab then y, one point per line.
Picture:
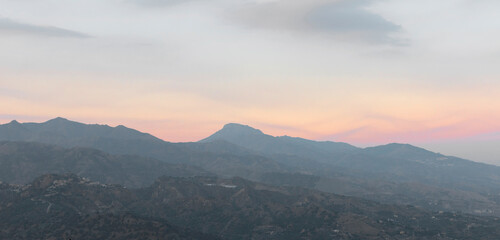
241	130
231	128
66	129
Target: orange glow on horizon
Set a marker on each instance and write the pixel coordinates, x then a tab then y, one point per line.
365	116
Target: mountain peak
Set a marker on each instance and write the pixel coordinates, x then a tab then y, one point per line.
398	146
14	122
240	129
400	149
233	131
61	122
58	120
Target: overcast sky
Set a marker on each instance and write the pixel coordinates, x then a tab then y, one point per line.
361	71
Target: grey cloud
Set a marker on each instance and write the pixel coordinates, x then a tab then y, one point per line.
350	16
159	3
10	26
347	19
346	16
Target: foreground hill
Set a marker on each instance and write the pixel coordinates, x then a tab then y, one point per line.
65	206
68	207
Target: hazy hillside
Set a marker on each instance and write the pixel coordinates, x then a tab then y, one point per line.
22	162
393	173
392	162
403	162
122	140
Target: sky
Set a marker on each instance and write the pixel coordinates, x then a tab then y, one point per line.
366	72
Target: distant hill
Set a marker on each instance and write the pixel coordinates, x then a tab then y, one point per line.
407	163
65	206
254	139
392	162
22	162
392	173
234	161
62	131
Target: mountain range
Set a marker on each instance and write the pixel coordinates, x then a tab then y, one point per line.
394	173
